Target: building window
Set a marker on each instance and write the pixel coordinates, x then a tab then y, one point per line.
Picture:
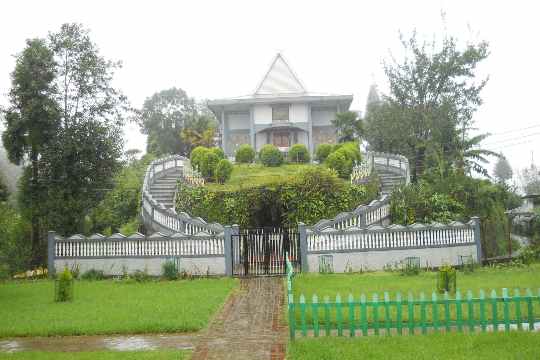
280	113
281	139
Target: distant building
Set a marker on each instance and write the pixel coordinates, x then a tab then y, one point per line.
280	111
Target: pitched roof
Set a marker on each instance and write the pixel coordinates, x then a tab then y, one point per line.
280	79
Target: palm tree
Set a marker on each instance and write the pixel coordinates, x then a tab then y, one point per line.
469	156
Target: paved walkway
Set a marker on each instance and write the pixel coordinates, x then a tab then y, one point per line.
250	326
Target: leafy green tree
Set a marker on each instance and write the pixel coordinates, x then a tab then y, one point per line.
502	171
162	118
119	208
31	122
200	129
3	189
434	93
348	125
80	164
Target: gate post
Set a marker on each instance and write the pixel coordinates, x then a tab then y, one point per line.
227	238
51	239
302	237
477	239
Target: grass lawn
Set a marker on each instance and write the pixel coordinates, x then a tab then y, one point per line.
98	355
109	307
379	282
247	175
513	345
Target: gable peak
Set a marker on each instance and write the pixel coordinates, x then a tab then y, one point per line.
280	79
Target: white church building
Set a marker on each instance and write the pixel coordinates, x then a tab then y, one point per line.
280	111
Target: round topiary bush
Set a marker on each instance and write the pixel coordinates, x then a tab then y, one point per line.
351	150
208	165
197	155
270	155
299	153
339	161
218	151
224	170
322	152
245	154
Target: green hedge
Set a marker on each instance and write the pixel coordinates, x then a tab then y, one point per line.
314	194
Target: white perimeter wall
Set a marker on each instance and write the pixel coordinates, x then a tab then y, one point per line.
114	266
376	260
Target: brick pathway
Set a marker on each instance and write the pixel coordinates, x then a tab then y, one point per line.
250	325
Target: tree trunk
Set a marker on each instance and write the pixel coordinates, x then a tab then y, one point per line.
36	248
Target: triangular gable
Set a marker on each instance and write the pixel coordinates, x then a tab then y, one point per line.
280	79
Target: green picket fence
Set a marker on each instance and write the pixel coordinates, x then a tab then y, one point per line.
363	316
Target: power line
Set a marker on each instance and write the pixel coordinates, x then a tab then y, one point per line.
511	139
515	130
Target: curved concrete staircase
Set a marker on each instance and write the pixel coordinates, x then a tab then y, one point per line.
163	189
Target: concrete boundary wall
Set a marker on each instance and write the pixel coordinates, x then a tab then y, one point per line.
376	246
115	254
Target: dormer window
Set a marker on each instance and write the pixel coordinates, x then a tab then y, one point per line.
280	113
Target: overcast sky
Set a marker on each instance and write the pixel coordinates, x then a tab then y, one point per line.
214	49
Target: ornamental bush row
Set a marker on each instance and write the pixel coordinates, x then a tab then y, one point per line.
269	155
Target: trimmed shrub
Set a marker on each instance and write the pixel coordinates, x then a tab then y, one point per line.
197	155
93	274
218	151
270	155
245	154
223	171
208	165
446	279
351	150
339	161
299	153
64	287
169	270
322	152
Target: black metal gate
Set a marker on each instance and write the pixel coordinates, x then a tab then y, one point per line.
261	251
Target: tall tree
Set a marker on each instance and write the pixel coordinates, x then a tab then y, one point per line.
348	126
502	171
32	121
80	163
434	94
162	118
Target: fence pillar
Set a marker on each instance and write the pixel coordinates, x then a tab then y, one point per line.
51	240
477	238
302	231
363	220
227	238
